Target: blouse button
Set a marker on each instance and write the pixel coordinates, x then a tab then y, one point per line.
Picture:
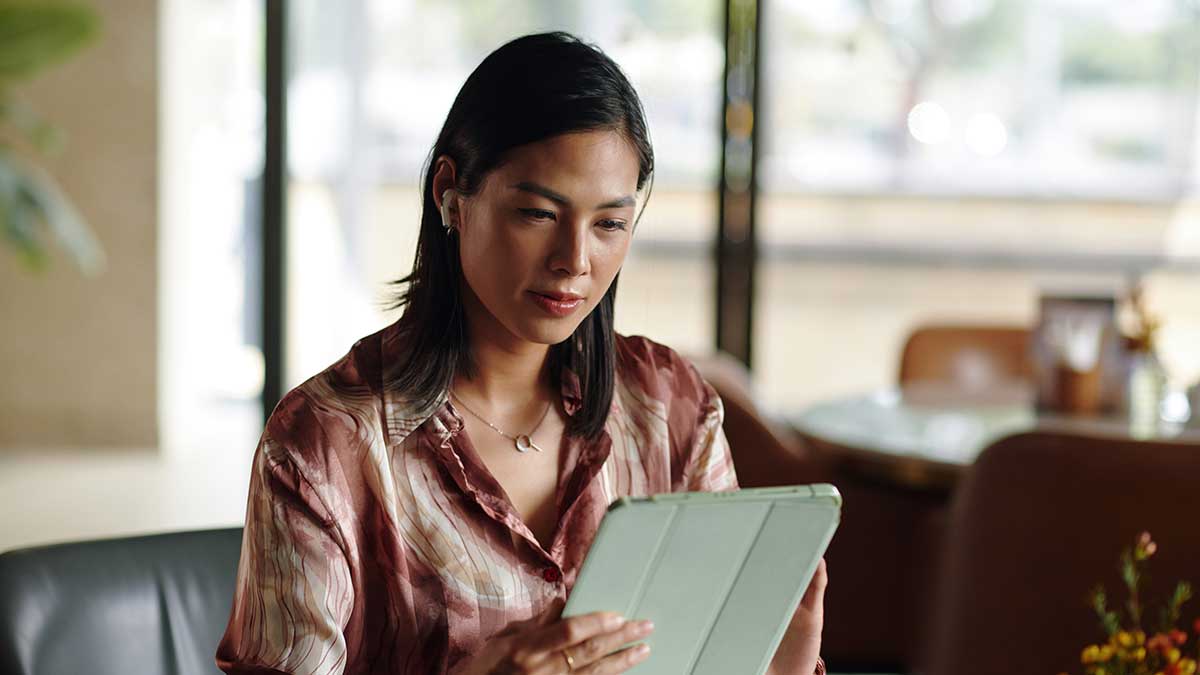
552	575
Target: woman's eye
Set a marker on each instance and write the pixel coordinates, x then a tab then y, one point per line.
612	224
538	214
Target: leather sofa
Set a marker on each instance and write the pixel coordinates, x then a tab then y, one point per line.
150	605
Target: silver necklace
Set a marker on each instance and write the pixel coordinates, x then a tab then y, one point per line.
522	442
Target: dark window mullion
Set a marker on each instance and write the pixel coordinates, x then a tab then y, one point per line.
274	208
736	245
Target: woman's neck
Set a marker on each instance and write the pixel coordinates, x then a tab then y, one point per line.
508	374
505	379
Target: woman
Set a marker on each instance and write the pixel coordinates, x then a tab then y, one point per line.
424	504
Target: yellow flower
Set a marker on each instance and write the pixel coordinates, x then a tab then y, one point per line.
1139	637
1173	655
1187	667
1106	653
1125	639
1139	654
1091	654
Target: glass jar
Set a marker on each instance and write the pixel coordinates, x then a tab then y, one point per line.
1147	391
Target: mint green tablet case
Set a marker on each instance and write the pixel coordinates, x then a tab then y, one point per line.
720	574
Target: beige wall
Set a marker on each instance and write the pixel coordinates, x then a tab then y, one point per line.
77	355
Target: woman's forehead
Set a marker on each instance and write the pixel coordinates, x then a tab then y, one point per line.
584	167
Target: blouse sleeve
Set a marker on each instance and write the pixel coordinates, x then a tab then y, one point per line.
293	596
710	466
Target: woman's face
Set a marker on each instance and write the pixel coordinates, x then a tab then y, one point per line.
545	235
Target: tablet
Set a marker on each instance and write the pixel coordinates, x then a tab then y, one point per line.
720	573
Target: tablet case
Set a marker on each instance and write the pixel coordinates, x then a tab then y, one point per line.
720	574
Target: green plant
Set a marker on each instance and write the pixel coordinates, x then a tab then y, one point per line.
33	208
1134	645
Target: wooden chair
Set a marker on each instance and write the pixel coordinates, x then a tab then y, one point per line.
972	357
1040	520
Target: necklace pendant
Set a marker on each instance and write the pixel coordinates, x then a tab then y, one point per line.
524	443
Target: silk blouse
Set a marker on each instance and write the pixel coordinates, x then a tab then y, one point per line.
377	541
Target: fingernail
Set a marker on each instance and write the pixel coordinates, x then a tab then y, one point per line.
613	621
645	626
641	651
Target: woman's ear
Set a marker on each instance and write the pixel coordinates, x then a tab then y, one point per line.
445	196
445	177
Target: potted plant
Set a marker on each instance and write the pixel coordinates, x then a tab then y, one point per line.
1137	643
33	209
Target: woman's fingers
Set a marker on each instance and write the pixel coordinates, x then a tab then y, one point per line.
816	587
586	643
617	663
577	629
592	641
809	618
600	647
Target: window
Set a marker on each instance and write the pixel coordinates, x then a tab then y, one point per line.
919	161
947	161
369	89
212	139
1022	97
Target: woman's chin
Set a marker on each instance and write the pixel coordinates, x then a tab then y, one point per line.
548	331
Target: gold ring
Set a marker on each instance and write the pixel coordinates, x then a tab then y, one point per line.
570	661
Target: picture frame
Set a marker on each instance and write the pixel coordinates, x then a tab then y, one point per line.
1078	355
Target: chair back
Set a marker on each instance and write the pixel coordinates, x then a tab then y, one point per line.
1039	521
970	357
151	605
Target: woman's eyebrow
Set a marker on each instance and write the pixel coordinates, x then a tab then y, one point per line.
534	188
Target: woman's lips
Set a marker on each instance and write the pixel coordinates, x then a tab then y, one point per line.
557	305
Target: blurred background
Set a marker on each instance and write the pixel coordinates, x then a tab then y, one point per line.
831	177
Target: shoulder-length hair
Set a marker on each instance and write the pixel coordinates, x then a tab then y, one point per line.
530	89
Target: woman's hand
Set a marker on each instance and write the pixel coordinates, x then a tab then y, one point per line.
801	645
551	646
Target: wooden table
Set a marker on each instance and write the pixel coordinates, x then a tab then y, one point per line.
924	436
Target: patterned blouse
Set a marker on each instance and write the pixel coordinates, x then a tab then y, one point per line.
376	541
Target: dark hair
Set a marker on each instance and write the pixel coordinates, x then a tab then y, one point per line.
530	89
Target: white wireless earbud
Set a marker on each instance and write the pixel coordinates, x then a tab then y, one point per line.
447	222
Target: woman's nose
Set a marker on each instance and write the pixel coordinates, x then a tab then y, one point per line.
571	256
